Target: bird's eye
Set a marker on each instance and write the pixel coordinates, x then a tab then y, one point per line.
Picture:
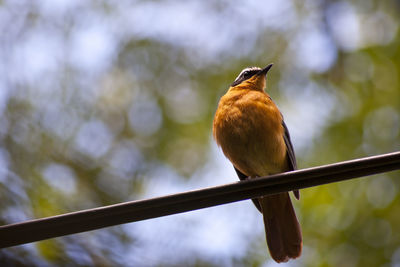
246	73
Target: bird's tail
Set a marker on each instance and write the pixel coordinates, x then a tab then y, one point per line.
282	228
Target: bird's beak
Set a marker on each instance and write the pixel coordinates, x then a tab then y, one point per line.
265	70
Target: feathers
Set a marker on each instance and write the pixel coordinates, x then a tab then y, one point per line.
244	177
282	229
249	128
292	164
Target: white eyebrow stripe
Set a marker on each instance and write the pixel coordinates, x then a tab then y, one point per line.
246	69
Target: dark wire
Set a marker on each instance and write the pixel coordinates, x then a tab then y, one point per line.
91	219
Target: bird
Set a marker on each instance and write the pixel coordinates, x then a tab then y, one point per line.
252	134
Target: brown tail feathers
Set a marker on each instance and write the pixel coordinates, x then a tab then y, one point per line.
282	228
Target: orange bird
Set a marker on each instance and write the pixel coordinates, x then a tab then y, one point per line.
249	128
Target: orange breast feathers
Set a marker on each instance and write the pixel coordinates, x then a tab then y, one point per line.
248	128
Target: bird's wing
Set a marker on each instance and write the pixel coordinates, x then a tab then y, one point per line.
243	177
290	153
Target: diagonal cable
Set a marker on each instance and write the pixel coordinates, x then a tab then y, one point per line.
91	219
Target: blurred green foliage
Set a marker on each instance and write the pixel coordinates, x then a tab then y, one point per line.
100	102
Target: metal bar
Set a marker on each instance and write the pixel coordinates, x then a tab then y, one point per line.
91	219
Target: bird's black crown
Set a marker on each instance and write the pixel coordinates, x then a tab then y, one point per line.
246	74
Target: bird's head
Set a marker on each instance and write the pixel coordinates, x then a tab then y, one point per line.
253	78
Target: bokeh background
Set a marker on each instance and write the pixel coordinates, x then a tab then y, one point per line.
103	102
